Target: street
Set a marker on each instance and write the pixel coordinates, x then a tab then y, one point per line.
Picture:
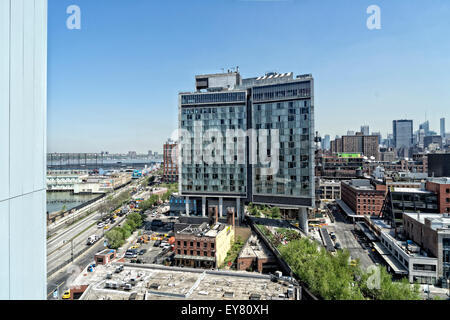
72	240
345	235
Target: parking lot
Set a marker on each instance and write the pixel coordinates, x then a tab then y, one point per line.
153	245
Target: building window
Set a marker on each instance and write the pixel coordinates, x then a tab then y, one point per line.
424	267
205	253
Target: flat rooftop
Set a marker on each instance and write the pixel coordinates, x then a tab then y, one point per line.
385	228
438	220
169	283
254	248
203	230
360	184
442	180
412	190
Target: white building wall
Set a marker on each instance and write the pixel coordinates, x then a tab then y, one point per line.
23	87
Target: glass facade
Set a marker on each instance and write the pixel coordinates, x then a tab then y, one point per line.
403	133
221	169
291	121
262	144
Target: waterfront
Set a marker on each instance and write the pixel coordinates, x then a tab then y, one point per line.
57	200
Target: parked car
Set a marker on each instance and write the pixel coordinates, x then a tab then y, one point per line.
337	246
119	269
157	243
100	225
127	286
163	244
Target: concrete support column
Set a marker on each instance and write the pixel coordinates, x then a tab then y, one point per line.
221	207
203	206
303	219
238	209
187	206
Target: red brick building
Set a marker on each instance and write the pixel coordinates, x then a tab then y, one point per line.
363	197
170	164
203	246
105	256
441	186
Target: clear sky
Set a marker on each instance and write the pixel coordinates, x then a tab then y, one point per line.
113	85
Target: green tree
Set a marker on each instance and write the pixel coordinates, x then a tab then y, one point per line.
136	218
275	213
115	238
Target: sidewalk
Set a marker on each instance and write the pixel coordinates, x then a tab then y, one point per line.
435	291
121	251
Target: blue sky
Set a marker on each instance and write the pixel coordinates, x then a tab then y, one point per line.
113	84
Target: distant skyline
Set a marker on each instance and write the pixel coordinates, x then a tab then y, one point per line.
113	85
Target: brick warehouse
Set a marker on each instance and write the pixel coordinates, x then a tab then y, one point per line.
441	186
170	164
363	197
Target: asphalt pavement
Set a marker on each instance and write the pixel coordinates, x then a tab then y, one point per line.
346	236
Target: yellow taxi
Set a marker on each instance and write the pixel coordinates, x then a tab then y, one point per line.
106	227
66	294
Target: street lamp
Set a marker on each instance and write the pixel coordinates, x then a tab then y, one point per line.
71	244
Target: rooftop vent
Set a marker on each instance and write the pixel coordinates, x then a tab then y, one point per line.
155	286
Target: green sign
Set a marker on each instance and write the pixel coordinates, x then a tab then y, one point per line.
349	155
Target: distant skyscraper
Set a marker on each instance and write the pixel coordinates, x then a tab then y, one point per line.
426	127
420	137
350	133
365	130
403	133
379	136
442	131
326	142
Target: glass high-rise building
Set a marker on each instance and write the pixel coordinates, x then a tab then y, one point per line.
365	130
403	133
23	70
326	142
247	140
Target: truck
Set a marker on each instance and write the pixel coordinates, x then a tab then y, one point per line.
92	239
